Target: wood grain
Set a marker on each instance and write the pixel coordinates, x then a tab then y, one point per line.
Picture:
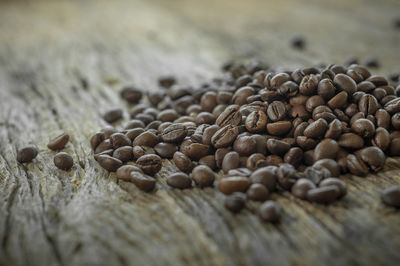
63	62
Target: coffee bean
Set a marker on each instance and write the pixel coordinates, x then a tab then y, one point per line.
123	154
235	202
229	185
166	81
309	84
363	127
327	148
396	120
294	157
109	163
208	133
209	161
381	139
270	212
332	181
225	136
205	118
106	152
96	139
287	176
179	180
316	174
316	129
143	181
329	164
133	133
301	187
134	123
119	140
373	157
113	115
231	116
256	121
139	151
64	161
182	162
356	166
27	154
391	196
203	176
371	61
124	172
324	195
256	160
257	192
323	112
150	164
276	111
146	139
131	94
345	83
308	157
60	141
338	101
230	161
313	102
277	147
393	106
351	141
279	128
326	89
277	80
240	96
395	147
174	133
245	145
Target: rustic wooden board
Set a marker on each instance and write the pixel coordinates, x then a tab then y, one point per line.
61	63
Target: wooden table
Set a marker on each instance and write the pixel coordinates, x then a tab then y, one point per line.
63	63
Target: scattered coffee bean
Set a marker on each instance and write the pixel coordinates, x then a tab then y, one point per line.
143	181
325	194
59	142
235	202
166	150
229	185
270	211
373	157
179	180
27	154
64	161
257	192
113	115
123	154
391	196
150	164
203	176
131	94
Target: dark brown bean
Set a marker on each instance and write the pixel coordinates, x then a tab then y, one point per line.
113	115
294	157
329	164
381	139
326	89
231	161
334	129
393	106
356	166
209	161
119	140
276	111
245	145
326	149
165	150
373	157
256	160
256	121
279	128
309	84
339	100
270	212
231	116
96	139
277	147
124	172
109	163
27	154
363	127
58	142
301	187
351	141
345	83
395	147
391	196
143	181
179	180
333	181
257	192
123	154
183	162
229	185
225	136
235	202
203	176
287	176
150	164
324	195
174	133
131	94
146	139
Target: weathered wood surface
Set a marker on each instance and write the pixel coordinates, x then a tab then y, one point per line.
61	63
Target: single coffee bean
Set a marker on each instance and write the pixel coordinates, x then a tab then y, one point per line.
333	181
109	163
270	211
182	162
235	202
371	61
58	142
324	195
351	141
256	121
150	164
381	139
64	161
345	83
306	143
301	187
208	101
396	120
313	102
131	94
329	164
308	157
133	133
393	106
166	81
231	116
394	149
279	128
123	154
27	154
174	133
294	156
368	104
363	127
277	147
96	139
106	152
356	166
298	42
231	161
327	148
134	123
316	129
113	115
338	101
179	180
287	176
146	139
257	192
256	160
143	181
205	118
276	111
266	176
229	185
326	89
220	154
119	140
316	174
124	172
203	176
334	129
278	79
208	133
323	112
209	161
165	150
139	151
309	84
225	136
245	145
391	196
373	157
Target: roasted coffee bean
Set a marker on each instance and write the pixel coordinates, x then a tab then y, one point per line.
27	154
179	180
393	106
139	151
146	139
183	162
351	141
133	133
316	174
96	139
203	176
166	81
63	161
109	163
123	154
257	192
106	152
279	128
277	147
345	83
208	101
361	70
338	101
324	195
235	202
308	157
329	164
326	149
309	84
231	161
394	149
224	97
365	86
205	118
58	142
150	164
239	172
108	131
256	121
165	150
208	133
299	130
277	80
225	136
381	139
245	145
167	115
396	120
195	151
261	143
229	185
368	104
294	157
103	146
333	181
356	166
270	212
287	176
316	129
174	133
313	102
276	111
220	154
240	96
131	94
323	112
334	129
371	61
363	127
119	140
391	196
231	116
134	123
209	161
326	89
373	157
301	187
143	181
256	160
113	115
306	143
273	160
124	172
